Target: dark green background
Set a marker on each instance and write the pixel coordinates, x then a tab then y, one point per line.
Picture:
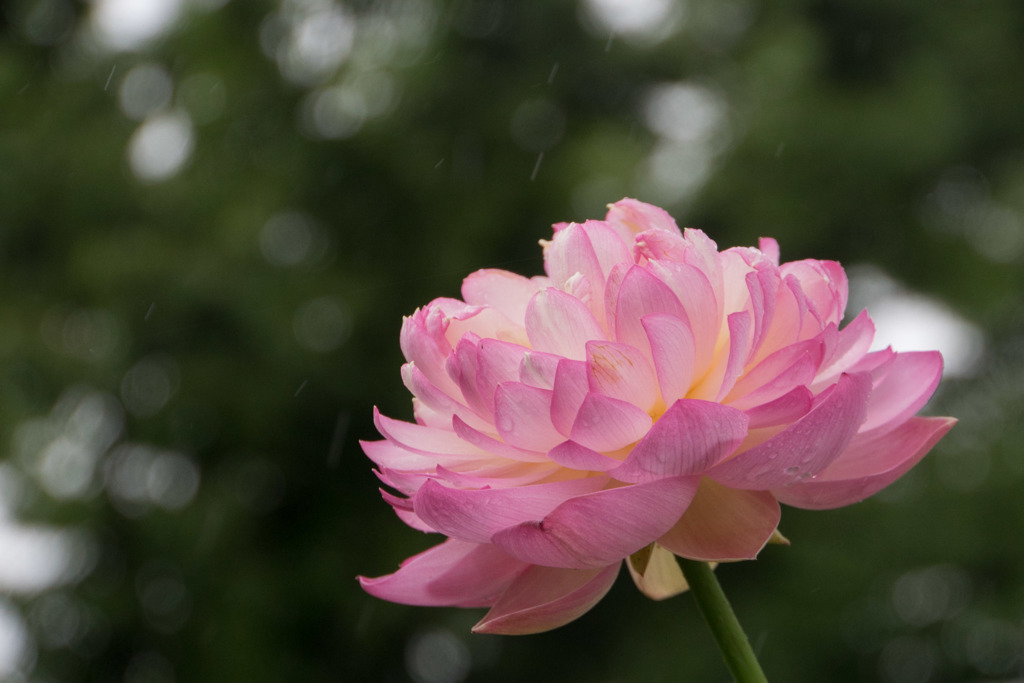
871	132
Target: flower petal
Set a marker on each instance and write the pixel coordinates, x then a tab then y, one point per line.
906	387
423	342
607	424
640	294
724	524
574	456
621	371
522	415
701	303
851	343
476	515
672	347
824	285
783	410
777	375
729	360
570	388
454	573
770	248
689	438
388	454
596	529
497	362
543	598
609	247
507	292
631	216
868	466
570	253
422	439
806	447
538	369
662	577
488	443
559	323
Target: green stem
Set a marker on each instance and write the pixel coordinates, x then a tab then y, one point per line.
729	635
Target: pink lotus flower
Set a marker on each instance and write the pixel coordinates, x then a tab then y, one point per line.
650	396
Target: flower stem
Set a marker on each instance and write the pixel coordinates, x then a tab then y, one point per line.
728	633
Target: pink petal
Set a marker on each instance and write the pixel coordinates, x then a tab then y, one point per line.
778	374
597	529
488	443
428	416
607	424
507	292
689	438
574	456
544	598
561	324
388	454
806	447
621	371
783	410
703	254
412	520
879	453
868	466
570	253
425	390
770	248
497	362
609	248
476	515
740	331
463	366
788	319
672	347
877	364
640	294
701	303
631	216
660	245
662	577
570	388
423	342
824	284
408	482
498	473
522	415
424	440
852	342
454	573
538	369
906	387
724	524
485	322
763	285
724	372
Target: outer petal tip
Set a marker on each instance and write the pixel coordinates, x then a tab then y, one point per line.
544	598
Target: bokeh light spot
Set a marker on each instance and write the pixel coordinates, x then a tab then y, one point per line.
130	24
437	656
321	324
146	89
149	384
909	321
160	147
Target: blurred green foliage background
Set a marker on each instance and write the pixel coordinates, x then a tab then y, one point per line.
214	214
